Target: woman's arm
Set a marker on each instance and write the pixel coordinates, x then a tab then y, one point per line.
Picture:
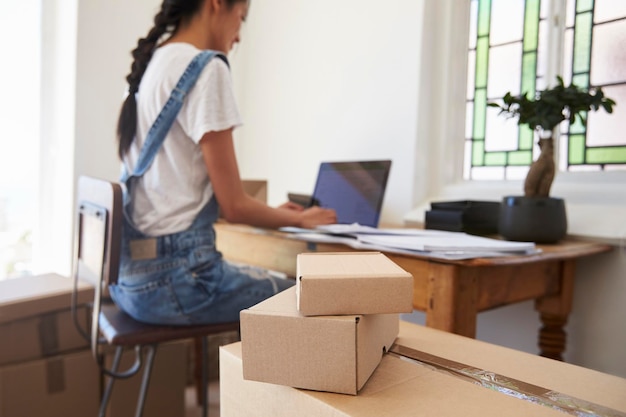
237	206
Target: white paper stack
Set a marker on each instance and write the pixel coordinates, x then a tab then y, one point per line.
432	243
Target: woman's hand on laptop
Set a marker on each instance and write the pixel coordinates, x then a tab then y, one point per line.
289	205
315	216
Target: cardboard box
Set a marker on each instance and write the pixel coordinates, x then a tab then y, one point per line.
35	318
401	387
166	392
352	283
59	386
325	353
256	189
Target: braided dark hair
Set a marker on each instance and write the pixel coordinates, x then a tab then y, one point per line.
167	20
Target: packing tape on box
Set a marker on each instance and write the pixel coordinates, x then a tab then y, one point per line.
509	386
55	375
48	334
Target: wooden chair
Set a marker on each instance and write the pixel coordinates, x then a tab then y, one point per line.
96	260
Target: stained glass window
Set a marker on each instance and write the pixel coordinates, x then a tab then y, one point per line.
521	46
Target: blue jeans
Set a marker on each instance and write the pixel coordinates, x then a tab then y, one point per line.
188	281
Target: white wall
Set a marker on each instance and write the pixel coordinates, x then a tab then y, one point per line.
327	80
86	55
107	32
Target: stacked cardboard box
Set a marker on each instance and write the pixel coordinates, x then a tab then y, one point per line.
35	319
425	371
46	366
329	332
444	381
351	283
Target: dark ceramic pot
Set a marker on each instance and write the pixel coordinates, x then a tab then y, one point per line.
533	219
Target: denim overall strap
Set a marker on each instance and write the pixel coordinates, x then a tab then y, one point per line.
166	118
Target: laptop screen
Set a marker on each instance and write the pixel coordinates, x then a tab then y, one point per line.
354	189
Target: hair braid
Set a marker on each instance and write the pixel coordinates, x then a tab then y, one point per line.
165	21
172	13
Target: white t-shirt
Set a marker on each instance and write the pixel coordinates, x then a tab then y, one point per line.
167	198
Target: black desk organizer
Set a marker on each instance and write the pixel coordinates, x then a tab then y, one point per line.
474	217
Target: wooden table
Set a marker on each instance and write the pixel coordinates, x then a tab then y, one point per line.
451	292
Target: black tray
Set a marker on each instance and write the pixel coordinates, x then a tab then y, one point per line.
469	216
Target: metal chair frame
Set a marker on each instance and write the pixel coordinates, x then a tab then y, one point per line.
96	260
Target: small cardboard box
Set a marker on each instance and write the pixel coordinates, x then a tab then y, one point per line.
325	353
352	283
58	386
256	189
168	380
403	388
35	317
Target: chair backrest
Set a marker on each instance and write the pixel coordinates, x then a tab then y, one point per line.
97	240
98	232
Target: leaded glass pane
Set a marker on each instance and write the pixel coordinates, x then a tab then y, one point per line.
495	159
513	172
467	159
577	149
520	158
582	43
469	109
608	59
608	10
502	132
605	129
471	74
542	55
480	108
584	6
577	128
484	12
545	9
526	138
473	24
504	70
531	19
606	155
616	167
581	80
487	173
585	168
501	30
570	13
478	153
529	69
482	62
568	50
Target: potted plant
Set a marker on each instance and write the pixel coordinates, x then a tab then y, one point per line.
537	216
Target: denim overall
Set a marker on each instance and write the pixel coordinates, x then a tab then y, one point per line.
181	278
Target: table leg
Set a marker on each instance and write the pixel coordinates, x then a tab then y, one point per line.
554	311
452	299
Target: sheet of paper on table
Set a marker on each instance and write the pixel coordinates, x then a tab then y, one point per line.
432	243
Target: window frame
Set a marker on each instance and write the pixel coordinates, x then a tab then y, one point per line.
595	201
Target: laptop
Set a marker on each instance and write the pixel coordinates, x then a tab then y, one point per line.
354	189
